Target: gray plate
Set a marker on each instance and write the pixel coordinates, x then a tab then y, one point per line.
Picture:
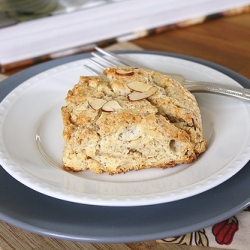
35	212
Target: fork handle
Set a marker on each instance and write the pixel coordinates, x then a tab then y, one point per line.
237	92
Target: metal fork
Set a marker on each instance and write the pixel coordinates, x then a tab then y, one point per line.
107	59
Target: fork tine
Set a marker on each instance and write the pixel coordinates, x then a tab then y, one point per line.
109	59
106	60
119	58
92	70
100	65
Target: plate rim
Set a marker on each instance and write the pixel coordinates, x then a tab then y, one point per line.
49	232
209	181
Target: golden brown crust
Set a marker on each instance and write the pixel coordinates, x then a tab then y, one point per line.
159	131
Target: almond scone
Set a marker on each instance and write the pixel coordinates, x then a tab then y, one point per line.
131	120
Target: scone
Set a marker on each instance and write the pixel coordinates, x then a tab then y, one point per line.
133	119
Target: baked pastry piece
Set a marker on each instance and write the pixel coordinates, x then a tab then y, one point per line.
134	119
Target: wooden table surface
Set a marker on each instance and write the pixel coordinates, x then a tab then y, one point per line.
225	41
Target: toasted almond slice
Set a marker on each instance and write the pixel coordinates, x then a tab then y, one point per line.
139	86
135	96
96	103
111	106
122	72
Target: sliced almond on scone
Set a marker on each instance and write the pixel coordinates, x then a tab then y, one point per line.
111	106
135	96
139	86
122	72
96	103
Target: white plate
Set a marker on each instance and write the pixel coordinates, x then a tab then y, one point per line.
31	143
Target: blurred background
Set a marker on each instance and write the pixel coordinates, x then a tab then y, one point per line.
34	31
13	11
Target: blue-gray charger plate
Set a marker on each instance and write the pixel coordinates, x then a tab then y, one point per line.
41	214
